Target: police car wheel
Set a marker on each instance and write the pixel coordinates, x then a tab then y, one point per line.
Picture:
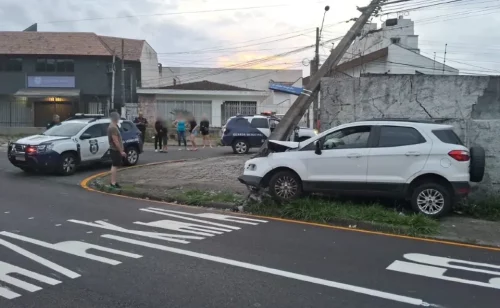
241	146
132	156
67	164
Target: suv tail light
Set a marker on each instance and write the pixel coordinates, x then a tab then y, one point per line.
460	155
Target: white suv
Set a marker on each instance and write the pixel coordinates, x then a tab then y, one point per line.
423	162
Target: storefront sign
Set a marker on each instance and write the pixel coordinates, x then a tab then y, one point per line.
51	81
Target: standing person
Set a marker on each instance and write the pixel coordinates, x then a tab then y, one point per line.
161	135
193	132
141	124
55	121
205	131
180	122
115	147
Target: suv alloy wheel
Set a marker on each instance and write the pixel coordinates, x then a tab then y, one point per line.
431	199
241	146
285	186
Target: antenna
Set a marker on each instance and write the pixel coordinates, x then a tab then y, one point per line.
434	61
445	49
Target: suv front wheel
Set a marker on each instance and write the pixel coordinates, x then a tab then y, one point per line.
285	186
431	199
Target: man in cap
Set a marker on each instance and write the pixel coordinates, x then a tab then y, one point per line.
115	147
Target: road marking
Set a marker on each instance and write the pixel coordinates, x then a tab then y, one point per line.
6	269
436	267
160	236
66	272
184	227
241	220
272	271
76	248
161	212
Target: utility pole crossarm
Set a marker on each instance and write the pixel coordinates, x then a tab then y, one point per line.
298	109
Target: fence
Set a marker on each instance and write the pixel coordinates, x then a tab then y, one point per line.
231	109
97	108
16	113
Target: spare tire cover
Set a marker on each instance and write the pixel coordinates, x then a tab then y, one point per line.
477	163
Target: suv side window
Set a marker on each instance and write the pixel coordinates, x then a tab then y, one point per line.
95	131
397	136
127	126
347	138
260	123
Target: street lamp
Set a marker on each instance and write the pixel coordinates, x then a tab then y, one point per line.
327	8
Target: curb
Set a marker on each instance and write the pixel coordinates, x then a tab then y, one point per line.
85	185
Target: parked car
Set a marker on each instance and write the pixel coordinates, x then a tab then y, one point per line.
80	140
245	132
423	162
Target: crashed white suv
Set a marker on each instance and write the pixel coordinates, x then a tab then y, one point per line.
423	162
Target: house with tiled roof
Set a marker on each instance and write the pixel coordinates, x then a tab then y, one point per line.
46	73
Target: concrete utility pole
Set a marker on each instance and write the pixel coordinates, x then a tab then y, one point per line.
113	82
313	70
300	106
123	73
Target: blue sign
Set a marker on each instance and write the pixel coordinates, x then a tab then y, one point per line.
51	81
285	89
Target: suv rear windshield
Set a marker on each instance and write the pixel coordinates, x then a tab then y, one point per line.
447	136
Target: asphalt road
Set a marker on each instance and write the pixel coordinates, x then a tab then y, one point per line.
156	255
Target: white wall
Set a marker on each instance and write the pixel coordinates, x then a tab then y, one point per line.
399	58
255	79
149	67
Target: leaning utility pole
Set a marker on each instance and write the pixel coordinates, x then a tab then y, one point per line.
123	74
313	71
300	106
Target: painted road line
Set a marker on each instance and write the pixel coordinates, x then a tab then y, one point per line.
182	239
272	271
184	227
7	269
240	220
436	267
66	272
161	212
75	248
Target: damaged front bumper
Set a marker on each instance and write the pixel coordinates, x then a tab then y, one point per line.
250	180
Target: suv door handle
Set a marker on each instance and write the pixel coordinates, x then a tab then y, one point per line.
354	155
412	154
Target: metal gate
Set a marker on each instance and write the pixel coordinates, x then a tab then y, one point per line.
232	108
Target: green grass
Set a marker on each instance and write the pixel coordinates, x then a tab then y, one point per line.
488	209
373	216
199	197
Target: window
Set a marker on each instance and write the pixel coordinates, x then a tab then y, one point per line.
395	40
127	126
260	123
95	131
347	138
53	65
14	65
447	136
397	136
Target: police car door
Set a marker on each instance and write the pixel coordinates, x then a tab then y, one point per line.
97	146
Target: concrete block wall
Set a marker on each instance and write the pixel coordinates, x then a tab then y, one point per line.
471	104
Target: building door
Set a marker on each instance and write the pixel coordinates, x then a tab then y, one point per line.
44	111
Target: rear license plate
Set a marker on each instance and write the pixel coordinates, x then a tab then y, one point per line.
20	158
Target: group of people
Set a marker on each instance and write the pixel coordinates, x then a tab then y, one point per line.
182	125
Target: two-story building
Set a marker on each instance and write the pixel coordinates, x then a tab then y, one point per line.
47	73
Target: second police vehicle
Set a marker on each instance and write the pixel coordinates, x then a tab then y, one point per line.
243	132
80	140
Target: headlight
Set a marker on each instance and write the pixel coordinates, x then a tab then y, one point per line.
45	147
251	167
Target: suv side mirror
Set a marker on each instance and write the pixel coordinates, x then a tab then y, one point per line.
85	136
318	147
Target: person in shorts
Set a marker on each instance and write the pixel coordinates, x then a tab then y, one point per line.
180	123
193	132
205	131
116	150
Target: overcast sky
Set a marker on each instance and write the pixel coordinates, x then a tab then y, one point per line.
247	30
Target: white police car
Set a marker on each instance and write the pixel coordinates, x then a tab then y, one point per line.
80	140
245	132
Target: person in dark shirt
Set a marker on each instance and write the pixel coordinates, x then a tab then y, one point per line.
193	132
141	124
161	135
55	121
205	131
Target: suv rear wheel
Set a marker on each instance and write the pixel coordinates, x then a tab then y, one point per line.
285	186
132	156
431	199
241	146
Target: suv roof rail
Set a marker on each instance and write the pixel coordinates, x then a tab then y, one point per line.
414	120
86	116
